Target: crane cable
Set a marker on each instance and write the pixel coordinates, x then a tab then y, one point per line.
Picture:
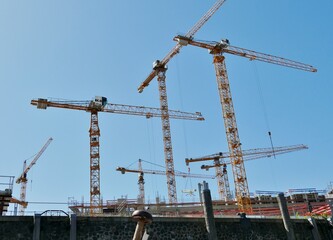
181	103
257	77
264	108
152	147
188	179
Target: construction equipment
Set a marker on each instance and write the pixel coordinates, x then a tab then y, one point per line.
100	104
6	191
217	49
141	173
159	70
23	178
251	154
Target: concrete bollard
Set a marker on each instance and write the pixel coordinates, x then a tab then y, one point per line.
37	220
72	233
285	216
142	217
209	213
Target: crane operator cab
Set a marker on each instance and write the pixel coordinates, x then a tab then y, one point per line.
101	101
225	42
98	103
158	65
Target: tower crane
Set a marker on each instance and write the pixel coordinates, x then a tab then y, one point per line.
159	70
100	104
23	177
251	154
217	49
141	173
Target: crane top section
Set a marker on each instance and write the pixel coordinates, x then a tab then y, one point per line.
123	170
100	104
175	50
250	154
224	47
22	178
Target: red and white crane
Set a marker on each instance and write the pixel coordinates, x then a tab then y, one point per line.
159	70
23	177
142	171
217	49
100	104
251	154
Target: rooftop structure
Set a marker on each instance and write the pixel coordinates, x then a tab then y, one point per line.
6	189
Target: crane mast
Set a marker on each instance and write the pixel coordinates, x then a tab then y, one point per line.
251	154
141	183
238	169
229	118
168	153
23	177
100	104
222	178
159	70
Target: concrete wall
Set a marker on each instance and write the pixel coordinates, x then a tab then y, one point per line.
16	228
122	228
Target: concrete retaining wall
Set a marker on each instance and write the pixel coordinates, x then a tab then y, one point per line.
122	228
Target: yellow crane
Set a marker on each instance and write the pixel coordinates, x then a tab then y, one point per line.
217	49
141	173
251	154
23	177
159	70
100	104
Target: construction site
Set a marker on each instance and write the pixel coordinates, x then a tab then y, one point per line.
223	203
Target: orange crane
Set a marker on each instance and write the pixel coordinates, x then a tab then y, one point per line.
159	70
23	177
100	104
217	49
251	154
141	173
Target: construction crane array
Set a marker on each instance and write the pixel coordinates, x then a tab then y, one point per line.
100	104
142	171
217	49
23	177
251	154
159	70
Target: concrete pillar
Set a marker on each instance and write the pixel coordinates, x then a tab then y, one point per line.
285	216
37	220
330	227
72	233
199	188
314	230
209	213
15	209
330	204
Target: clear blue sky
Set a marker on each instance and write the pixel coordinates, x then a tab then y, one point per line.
78	49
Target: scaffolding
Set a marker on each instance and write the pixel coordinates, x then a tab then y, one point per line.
6	190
